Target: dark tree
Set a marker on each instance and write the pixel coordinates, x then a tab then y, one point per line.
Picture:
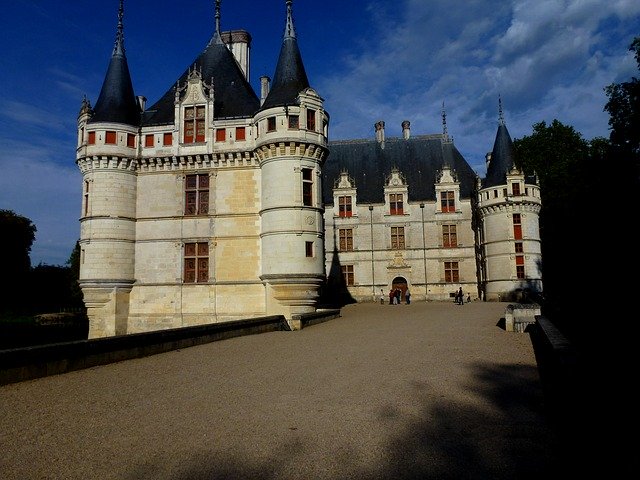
623	108
73	277
567	166
17	234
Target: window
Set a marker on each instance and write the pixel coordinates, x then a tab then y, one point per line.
397	238
148	140
447	202
517	227
294	122
451	274
194	126
311	119
520	271
344	206
196	262
308	249
346	239
92	138
515	189
519	247
495	194
307	186
449	236
271	124
347	274
110	137
240	134
221	134
131	140
167	139
86	198
395	202
196	195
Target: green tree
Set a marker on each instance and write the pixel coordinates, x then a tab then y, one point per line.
624	114
567	167
17	234
76	299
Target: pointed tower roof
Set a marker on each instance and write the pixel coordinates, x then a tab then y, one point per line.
117	102
233	96
290	77
501	156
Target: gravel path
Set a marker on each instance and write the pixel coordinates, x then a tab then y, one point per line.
431	390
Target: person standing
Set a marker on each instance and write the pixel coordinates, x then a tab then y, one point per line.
407	296
381	297
392	296
460	296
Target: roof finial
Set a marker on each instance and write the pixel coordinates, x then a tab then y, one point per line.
289	30
444	123
217	37
118	49
500	113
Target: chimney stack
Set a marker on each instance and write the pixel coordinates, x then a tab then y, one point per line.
264	88
380	132
406	129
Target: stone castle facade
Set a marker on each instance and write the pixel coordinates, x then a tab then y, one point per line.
215	204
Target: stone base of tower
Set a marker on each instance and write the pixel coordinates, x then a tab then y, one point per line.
512	291
107	308
292	295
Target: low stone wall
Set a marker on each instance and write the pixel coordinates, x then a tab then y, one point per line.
520	315
26	363
306	319
559	366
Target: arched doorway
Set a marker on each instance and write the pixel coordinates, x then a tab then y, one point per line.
401	283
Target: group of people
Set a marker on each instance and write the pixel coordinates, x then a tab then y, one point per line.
460	297
395	296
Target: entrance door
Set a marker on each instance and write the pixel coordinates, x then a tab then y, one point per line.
401	283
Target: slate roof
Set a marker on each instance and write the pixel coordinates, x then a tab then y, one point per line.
117	102
233	95
290	78
501	159
418	158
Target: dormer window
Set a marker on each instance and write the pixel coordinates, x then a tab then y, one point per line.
515	189
448	201
194	126
294	122
311	119
395	204
344	206
110	137
271	124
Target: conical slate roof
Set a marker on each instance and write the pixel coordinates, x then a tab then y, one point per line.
418	158
290	78
117	102
501	159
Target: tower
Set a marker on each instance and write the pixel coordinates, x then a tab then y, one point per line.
106	156
291	147
509	206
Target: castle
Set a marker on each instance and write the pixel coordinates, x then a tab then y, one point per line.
215	204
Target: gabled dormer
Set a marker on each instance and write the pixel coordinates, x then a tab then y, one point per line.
447	189
345	196
194	109
396	193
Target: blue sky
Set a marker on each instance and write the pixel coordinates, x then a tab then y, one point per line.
370	60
